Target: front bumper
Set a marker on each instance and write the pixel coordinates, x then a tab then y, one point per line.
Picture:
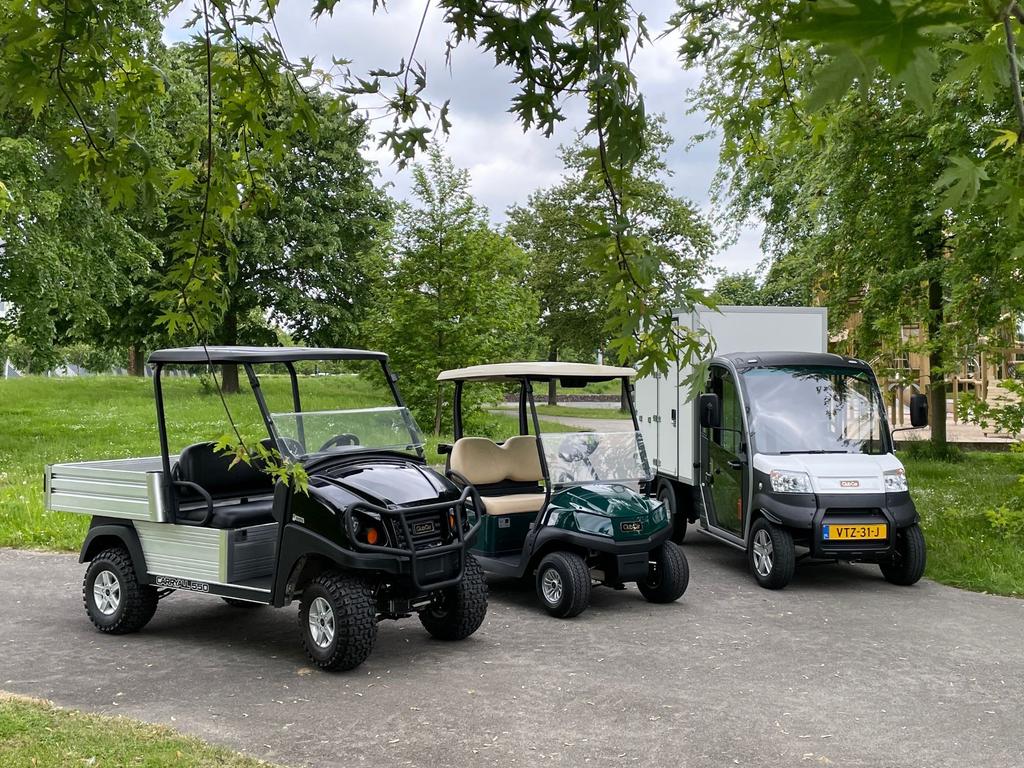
431	565
807	514
605	544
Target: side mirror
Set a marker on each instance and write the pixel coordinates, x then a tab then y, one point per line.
443	449
919	411
710	407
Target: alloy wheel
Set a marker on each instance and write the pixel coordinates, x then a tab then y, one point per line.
106	592
764	553
321	622
551	586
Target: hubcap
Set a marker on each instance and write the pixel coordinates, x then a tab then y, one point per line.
763	553
664	499
106	592
321	623
551	586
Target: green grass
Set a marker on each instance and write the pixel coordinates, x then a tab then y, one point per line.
964	548
46	421
34	733
581	412
554	411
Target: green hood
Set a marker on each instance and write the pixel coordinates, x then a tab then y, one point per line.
604	509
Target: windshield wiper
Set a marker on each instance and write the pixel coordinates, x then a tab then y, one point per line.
789	453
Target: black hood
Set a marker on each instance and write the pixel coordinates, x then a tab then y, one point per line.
386	482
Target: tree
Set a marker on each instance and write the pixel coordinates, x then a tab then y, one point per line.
555	229
738	289
791	281
856	191
89	74
455	293
65	260
307	260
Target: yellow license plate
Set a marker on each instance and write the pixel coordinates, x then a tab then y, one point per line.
849	532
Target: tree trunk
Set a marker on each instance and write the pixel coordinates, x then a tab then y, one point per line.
229	373
936	374
553	385
136	365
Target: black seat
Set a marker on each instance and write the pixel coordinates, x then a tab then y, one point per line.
242	515
202	465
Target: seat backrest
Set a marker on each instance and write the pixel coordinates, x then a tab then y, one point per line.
483	462
202	465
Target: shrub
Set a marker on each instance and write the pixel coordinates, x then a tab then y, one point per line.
925	450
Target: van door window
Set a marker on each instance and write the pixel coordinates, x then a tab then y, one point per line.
725	456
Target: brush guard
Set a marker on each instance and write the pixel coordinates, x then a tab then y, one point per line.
428	560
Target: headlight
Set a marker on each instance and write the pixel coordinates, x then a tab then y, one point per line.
368	528
784	481
597	524
895	480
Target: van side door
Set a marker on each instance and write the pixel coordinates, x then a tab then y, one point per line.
724	457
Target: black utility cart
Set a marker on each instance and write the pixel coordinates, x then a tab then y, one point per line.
377	535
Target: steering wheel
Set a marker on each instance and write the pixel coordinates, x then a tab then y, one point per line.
344	439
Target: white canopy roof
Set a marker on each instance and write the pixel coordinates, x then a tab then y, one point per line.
539	370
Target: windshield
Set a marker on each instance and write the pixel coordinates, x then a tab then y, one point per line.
388	428
815	410
576	458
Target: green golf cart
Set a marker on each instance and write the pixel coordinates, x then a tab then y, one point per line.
570	509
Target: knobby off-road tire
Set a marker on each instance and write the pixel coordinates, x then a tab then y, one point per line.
910	558
667	496
114	600
344	611
771	554
563	584
669	575
458	611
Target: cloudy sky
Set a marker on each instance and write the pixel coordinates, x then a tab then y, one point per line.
505	163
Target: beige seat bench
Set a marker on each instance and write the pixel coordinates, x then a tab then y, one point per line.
485	463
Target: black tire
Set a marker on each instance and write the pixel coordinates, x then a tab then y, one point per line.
458	611
236	603
776	542
907	566
349	609
667	495
119	604
669	575
568	577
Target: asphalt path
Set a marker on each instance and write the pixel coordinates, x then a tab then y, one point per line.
840	668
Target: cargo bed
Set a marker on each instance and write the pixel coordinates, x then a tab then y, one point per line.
121	488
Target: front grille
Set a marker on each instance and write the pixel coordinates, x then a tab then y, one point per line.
429	529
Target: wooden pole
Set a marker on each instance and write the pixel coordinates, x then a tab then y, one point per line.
956	396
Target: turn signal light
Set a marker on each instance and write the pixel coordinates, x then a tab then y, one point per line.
451	520
372	536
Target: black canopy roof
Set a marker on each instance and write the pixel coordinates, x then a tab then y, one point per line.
220	355
783	359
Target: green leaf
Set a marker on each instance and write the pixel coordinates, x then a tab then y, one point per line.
960	181
1005	140
834	79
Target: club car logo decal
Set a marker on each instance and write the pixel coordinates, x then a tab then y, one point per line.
631	526
849	483
420	529
172	583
